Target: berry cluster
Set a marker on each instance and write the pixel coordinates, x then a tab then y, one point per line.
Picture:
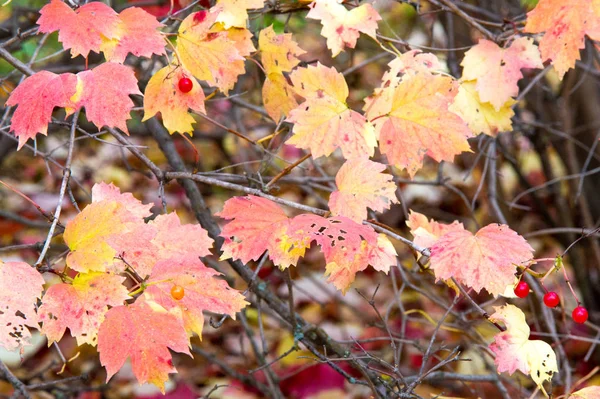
552	300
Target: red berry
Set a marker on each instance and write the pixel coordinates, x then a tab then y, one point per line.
551	299
177	292
580	315
199	16
185	85
522	289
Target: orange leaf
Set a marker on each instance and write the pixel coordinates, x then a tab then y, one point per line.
278	96
202	291
36	97
484	260
136	34
143	332
80	306
361	185
104	92
413	119
163	95
213	54
565	25
81	30
427	232
324	122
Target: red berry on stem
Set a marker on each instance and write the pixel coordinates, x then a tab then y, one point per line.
551	299
522	289
580	315
185	85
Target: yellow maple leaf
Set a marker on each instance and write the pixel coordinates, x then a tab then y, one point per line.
278	53
210	52
235	12
482	117
278	96
163	95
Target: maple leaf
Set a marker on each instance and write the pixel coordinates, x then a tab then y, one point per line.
234	12
409	63
414	120
498	70
278	96
214	55
163	95
20	287
426	232
348	246
82	30
514	351
484	260
143	332
104	92
482	117
136	34
592	392
164	237
86	235
565	25
278	53
342	27
36	97
258	224
80	306
361	185
324	122
109	192
202	291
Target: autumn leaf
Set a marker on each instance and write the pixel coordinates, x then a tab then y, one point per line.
592	392
514	351
278	53
482	117
104	92
426	232
234	13
409	63
174	238
109	192
87	234
342	27
324	122
258	225
136	34
497	70
20	287
486	259
163	95
348	246
360	185
36	97
80	306
564	25
414	120
143	332
82	30
278	96
202	291
211	53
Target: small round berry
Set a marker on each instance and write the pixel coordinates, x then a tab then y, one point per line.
185	85
551	299
177	292
522	289
580	315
